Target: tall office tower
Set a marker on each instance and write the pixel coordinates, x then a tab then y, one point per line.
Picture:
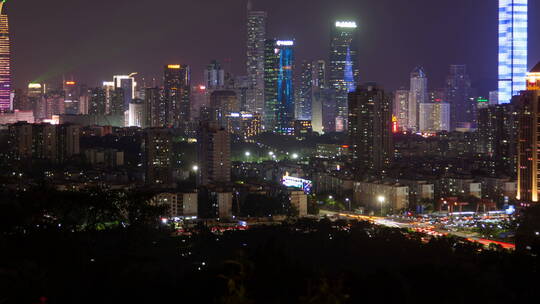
305	92
45	142
417	94
128	85
528	109
256	35
496	129
318	88
68	142
278	85
177	93
155	109
458	95
117	102
401	108
214	76
5	61
97	103
214	154
158	157
434	117
370	130
343	68
512	48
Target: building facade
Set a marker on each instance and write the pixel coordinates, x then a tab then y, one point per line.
512	48
5	62
417	94
256	35
370	130
343	65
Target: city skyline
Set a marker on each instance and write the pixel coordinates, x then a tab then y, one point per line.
81	57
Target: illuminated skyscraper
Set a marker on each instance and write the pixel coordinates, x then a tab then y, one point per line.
128	85
278	84
303	103
417	94
319	93
343	68
5	61
177	93
256	35
512	48
528	105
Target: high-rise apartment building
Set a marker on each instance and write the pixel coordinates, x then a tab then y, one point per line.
512	48
214	154
434	117
459	96
497	133
155	109
256	36
5	61
370	130
417	94
343	64
158	157
278	85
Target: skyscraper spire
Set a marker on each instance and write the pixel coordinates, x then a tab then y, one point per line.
249	6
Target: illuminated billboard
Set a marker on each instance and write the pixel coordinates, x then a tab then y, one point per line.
295	182
346	24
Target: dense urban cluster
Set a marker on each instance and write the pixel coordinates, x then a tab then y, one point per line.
294	175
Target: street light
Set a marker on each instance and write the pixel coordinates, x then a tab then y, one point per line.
380	198
248	153
349	203
195	168
294	156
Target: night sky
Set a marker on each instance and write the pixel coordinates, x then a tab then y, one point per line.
92	40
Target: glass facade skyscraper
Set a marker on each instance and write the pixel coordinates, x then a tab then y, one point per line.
5	61
343	65
256	35
279	90
512	48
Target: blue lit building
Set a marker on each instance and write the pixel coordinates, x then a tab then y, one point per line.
343	69
512	48
279	91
